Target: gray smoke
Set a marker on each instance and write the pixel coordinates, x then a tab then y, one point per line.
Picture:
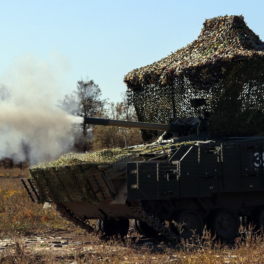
31	125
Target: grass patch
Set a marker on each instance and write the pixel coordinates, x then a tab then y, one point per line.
19	215
13	173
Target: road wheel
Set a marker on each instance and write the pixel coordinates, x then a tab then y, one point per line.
144	229
112	227
224	223
186	223
258	219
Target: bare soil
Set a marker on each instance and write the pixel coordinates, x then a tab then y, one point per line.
62	245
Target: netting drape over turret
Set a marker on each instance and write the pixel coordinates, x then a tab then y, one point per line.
223	70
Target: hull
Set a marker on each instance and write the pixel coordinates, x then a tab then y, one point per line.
196	183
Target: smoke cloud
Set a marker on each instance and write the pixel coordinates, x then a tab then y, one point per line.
31	125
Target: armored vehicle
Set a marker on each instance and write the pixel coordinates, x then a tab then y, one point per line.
197	182
206	169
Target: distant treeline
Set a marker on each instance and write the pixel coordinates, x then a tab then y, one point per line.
8	163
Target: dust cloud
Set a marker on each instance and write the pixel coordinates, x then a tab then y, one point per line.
31	125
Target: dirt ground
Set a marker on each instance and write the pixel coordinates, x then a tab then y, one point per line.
63	246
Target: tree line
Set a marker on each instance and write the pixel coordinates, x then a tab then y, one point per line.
86	101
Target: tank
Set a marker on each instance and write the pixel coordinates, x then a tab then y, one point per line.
206	169
188	183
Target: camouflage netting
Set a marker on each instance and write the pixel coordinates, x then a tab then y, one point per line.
65	183
101	157
78	177
224	66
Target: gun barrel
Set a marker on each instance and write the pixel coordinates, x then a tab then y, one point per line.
129	124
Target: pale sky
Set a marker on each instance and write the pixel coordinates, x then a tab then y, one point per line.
103	40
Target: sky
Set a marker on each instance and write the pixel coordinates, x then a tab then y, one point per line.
102	40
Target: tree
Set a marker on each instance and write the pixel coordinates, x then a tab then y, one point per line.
85	102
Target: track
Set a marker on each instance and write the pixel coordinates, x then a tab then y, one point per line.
66	213
156	224
139	213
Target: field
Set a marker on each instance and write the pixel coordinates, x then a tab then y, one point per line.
30	234
13	173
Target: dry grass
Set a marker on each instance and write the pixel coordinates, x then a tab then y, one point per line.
13	173
20	217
